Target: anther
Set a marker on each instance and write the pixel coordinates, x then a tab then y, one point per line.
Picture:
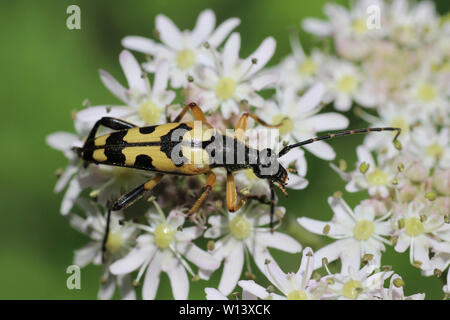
363	167
211	245
398	282
326	229
250	276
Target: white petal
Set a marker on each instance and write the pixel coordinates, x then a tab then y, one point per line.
403	243
265	80
350	255
279	241
198	257
168	32
214	294
151	281
317	227
86	254
61	140
331	252
189	233
278	277
205	25
178	280
421	254
175	219
257	290
223	31
140	44
317	27
228	108
133	72
343	214
232	269
231	52
114	86
161	78
262	55
248	296
253	287
65	178
71	195
311	98
343	102
328	121
364	155
133	260
296	182
88	116
307	265
383	228
217	220
321	150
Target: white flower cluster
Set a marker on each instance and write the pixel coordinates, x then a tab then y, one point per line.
397	68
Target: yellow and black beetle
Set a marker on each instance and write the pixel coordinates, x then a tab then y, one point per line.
171	148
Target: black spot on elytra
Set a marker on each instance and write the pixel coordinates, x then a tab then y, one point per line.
143	162
116	138
172	139
114	155
147	130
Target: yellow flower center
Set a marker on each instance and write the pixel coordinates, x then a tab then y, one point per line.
426	92
150	112
377	178
413	227
435	150
352	288
240	227
185	59
359	26
363	230
287	123
250	175
308	67
114	242
225	88
400	122
163	236
297	295
347	84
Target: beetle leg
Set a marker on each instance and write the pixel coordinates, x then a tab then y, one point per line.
242	124
272	205
232	203
210	181
125	201
196	111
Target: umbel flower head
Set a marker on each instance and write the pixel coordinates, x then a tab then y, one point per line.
395	75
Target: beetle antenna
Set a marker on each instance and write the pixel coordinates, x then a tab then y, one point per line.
339	134
105	237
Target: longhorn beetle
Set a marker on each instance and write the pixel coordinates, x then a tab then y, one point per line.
171	148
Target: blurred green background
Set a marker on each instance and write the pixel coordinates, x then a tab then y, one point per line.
48	70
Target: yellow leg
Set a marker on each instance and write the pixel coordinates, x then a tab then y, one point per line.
210	181
196	111
242	124
232	202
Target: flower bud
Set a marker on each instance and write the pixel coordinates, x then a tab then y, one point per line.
441	181
417	172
